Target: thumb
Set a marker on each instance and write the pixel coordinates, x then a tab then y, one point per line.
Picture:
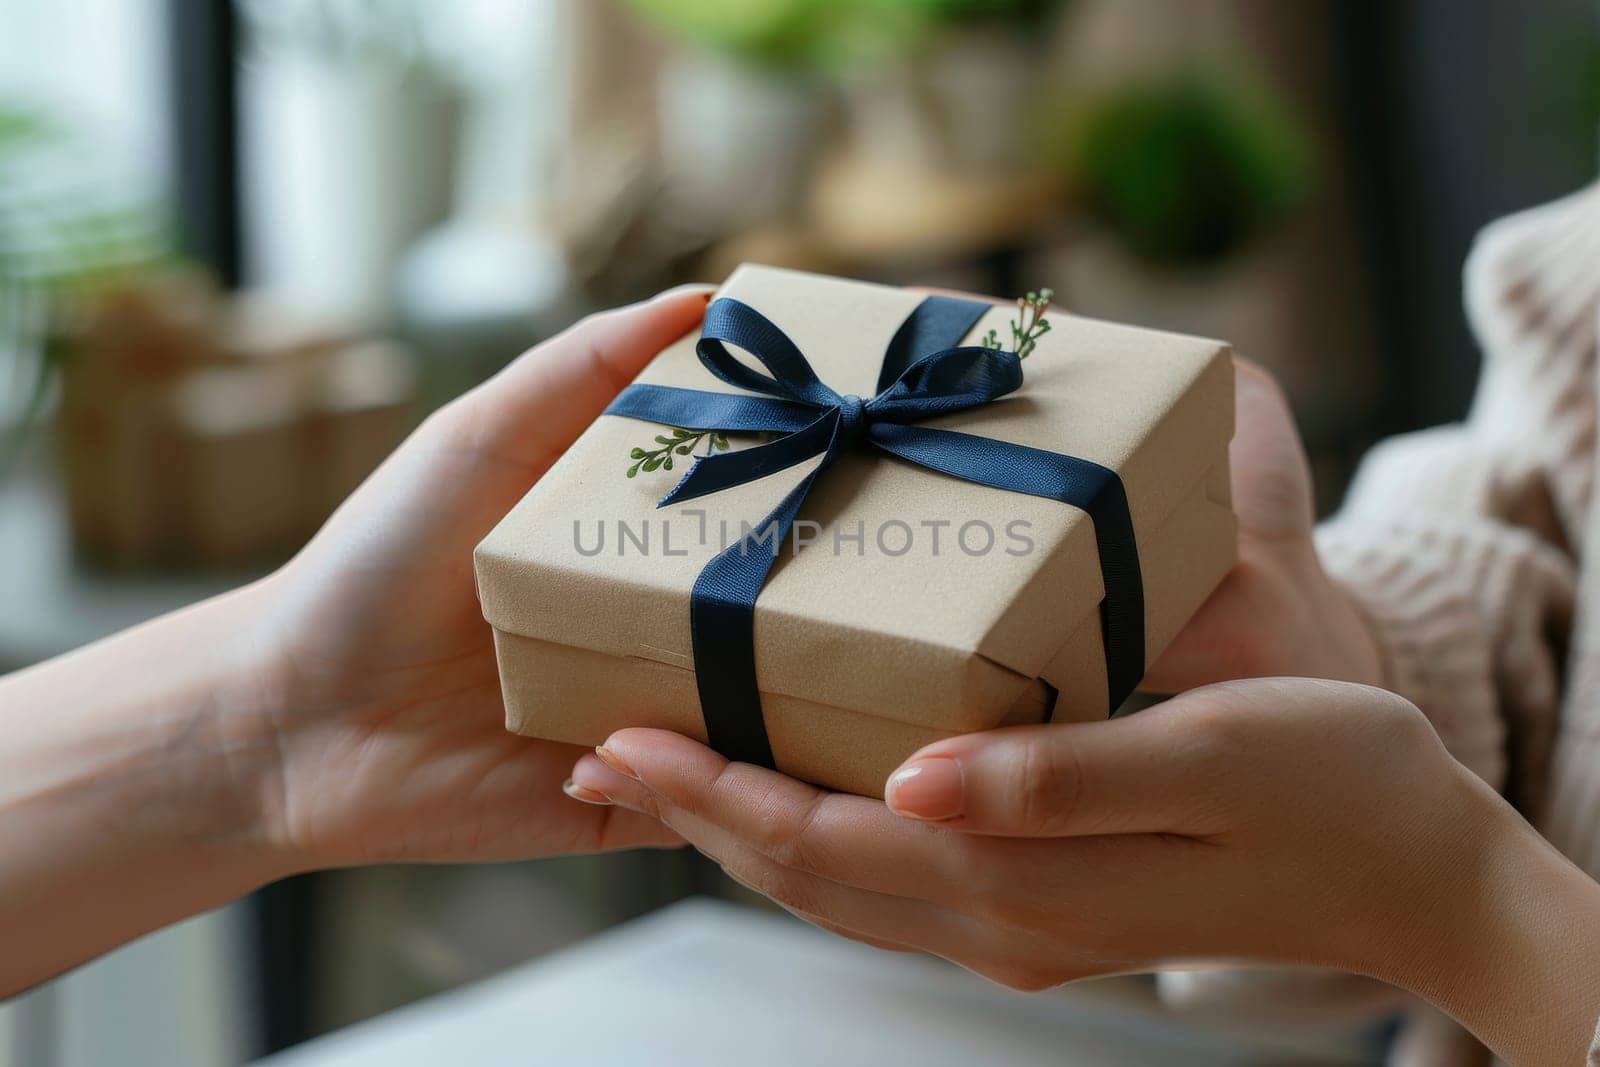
557	388
1121	776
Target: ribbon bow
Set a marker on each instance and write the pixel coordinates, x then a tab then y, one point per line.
924	373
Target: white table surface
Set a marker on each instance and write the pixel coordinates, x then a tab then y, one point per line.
708	983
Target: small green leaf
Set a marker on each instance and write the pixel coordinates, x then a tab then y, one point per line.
667	463
683	450
662	440
637	453
654	462
633	470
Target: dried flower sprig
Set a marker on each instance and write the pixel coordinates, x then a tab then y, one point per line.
1029	325
1026	329
682	442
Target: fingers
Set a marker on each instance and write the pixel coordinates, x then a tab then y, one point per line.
880	919
544	399
980	901
1136	775
1192	767
1271	475
619	828
847	839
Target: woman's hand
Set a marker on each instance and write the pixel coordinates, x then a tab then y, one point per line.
344	710
383	700
1277	612
1272	821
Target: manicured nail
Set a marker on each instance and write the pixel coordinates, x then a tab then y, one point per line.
706	291
583	793
616	763
928	789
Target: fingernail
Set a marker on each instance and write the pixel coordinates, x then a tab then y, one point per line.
616	763
928	789
583	793
706	291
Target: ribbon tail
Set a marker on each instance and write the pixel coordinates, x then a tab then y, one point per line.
722	625
938	322
712	474
1083	484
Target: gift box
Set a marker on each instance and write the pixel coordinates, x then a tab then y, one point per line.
1025	567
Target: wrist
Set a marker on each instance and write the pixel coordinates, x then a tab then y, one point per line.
1501	932
243	737
218	756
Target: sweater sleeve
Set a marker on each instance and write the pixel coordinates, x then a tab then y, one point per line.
1467	606
1458	542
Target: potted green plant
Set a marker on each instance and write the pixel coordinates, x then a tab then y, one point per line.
1187	168
1185	181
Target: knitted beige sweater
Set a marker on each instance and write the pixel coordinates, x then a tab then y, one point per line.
1474	551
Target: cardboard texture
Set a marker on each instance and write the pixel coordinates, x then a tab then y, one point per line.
958	608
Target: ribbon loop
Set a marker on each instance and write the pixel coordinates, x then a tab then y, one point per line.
743	326
948	381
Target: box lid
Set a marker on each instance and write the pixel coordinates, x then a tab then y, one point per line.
953	598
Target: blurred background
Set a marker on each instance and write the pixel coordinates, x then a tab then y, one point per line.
244	247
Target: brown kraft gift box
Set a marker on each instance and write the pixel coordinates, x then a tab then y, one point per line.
923	606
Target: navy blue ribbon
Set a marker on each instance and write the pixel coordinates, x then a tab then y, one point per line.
923	375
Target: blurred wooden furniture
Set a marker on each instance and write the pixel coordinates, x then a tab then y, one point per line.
198	428
868	218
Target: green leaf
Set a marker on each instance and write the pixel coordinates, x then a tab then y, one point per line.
637	453
633	470
667	463
654	462
683	450
662	440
